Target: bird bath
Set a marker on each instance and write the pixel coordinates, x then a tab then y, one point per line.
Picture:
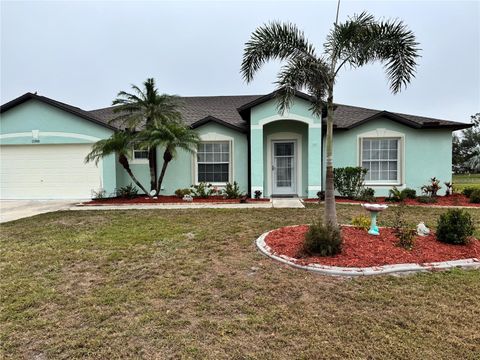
374	209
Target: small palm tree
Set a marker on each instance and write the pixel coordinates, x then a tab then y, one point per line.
147	108
170	136
119	143
356	42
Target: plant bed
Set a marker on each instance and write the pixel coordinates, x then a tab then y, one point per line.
363	250
452	200
167	199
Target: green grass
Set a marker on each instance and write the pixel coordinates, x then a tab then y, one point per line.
191	285
462	181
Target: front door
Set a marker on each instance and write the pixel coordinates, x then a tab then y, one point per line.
283	167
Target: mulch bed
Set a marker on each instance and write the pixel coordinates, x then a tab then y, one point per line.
452	200
363	250
165	199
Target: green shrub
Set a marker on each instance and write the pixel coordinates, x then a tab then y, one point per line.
202	190
361	221
232	191
99	195
408	193
367	194
432	188
182	192
321	195
469	190
323	240
348	181
475	197
426	199
394	195
404	232
455	227
128	191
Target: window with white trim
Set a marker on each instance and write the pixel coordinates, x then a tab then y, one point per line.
213	162
382	159
140	154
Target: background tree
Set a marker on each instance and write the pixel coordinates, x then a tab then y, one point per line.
119	143
358	41
147	109
466	147
170	136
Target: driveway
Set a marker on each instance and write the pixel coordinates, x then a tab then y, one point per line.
18	209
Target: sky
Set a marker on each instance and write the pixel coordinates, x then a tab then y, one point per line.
84	53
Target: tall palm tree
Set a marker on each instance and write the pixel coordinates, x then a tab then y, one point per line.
119	143
356	42
147	108
170	136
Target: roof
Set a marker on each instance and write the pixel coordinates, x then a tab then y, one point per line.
87	115
232	111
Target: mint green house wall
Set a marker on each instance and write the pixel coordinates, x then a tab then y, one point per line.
266	121
55	126
426	152
181	172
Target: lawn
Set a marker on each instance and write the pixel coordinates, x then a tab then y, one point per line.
190	284
461	181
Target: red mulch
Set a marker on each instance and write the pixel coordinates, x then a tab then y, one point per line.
363	250
166	199
452	200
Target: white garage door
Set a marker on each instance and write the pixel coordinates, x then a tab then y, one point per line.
47	172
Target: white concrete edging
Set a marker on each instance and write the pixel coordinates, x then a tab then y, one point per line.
472	263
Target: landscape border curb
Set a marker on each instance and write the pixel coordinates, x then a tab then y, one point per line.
472	263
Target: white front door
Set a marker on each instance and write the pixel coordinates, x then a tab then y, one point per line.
283	167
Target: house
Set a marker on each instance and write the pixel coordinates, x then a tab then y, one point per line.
43	143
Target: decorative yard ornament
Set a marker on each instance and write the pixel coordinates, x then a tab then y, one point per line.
187	198
374	209
422	230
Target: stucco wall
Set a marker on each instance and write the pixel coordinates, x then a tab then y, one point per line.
427	152
55	126
180	171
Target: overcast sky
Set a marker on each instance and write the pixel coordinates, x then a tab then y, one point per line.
83	53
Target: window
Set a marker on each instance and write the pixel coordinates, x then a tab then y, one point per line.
381	158
213	162
140	154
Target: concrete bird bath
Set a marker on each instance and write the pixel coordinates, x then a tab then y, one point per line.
374	209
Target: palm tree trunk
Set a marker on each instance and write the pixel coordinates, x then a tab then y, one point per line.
330	210
167	157
122	159
152	164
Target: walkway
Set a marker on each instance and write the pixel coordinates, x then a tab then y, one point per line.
287	203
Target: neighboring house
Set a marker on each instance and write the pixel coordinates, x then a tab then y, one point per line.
244	139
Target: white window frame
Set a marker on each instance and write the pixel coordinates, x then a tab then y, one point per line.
384	134
216	138
139	160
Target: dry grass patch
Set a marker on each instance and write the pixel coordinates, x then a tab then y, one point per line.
190	284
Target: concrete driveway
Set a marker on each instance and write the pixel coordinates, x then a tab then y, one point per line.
18	209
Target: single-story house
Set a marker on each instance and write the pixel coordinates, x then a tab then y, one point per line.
43	143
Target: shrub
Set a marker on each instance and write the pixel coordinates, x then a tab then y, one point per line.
432	188
258	194
361	221
408	193
321	195
348	181
323	240
232	191
128	191
99	195
469	190
367	194
426	199
182	192
202	190
404	233
455	227
394	195
475	197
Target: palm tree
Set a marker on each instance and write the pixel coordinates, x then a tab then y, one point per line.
170	136
356	42
119	143
146	108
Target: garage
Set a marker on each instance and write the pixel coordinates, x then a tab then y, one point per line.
47	172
